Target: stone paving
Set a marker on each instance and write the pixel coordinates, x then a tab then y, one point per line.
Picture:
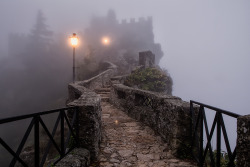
128	143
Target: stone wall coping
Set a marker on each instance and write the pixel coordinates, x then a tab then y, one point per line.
86	101
244	117
119	77
82	95
87	98
110	68
152	94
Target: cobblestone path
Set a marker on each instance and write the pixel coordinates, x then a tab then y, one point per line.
128	143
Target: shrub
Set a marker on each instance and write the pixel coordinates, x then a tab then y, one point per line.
151	79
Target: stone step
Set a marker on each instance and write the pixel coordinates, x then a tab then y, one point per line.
104	94
129	143
98	90
105	99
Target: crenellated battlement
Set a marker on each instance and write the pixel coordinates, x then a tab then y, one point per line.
140	20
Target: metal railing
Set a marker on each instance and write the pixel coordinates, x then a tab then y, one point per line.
197	133
36	121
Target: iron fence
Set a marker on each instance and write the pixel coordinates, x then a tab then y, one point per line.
198	126
36	121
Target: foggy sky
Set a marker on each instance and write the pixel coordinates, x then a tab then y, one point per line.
206	44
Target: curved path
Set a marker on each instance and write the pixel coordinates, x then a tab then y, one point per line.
126	142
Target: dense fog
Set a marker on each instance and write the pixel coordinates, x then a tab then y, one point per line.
205	48
208	40
35	73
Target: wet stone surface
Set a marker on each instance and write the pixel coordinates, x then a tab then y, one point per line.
128	143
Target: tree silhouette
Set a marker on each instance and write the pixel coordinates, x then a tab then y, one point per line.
40	35
36	75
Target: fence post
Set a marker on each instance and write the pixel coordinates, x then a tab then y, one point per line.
218	140
201	135
62	133
36	142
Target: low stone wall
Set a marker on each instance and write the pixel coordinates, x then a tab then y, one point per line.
89	106
79	157
167	115
81	94
101	80
243	141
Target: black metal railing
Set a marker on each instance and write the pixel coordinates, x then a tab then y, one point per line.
198	126
36	121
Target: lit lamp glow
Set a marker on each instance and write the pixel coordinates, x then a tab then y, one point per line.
74	40
74	43
105	41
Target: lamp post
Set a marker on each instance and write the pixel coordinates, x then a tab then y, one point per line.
74	42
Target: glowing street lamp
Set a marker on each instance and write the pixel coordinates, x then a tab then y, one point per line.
74	40
74	43
105	40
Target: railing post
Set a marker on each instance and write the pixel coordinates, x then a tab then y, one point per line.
218	154
201	136
62	133
36	140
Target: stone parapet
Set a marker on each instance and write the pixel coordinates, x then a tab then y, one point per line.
89	118
79	157
102	79
243	141
167	115
81	94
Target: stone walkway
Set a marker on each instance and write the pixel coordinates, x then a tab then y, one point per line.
128	143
